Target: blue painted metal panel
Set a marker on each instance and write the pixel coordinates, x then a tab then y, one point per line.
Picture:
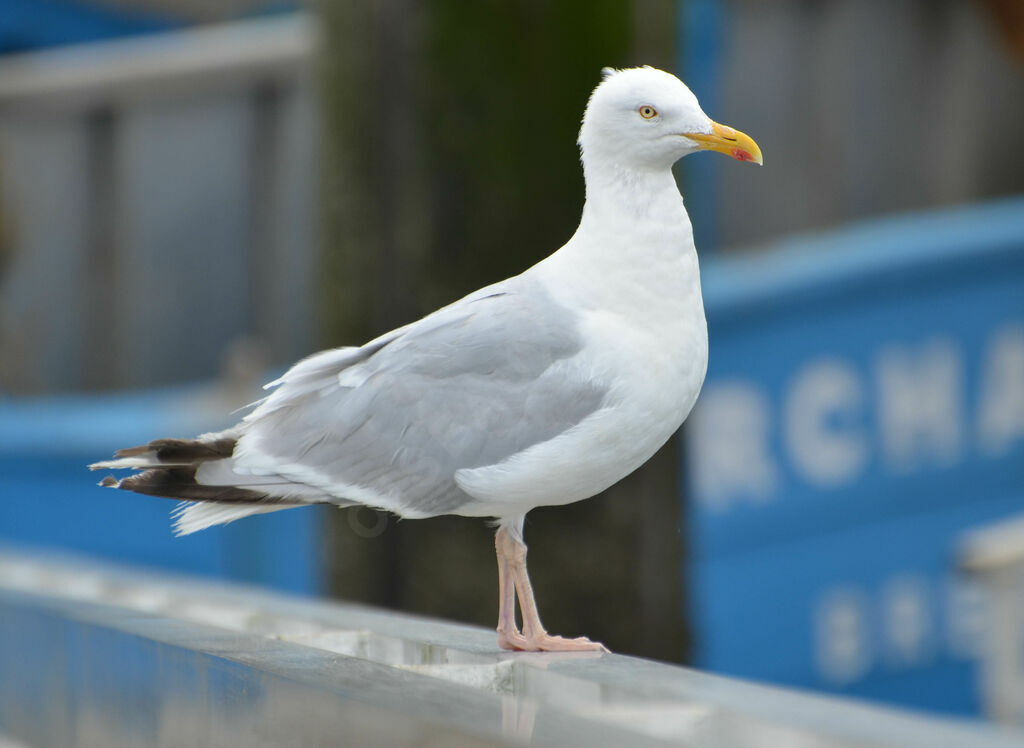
48	498
864	406
36	24
33	24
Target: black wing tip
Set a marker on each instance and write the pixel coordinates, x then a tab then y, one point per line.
183	451
180	483
132	451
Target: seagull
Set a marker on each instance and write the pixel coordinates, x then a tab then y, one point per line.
542	389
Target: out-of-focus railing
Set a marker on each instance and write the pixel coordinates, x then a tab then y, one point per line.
98	74
96	655
994	553
158	195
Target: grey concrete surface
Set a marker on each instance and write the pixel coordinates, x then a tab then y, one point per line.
95	654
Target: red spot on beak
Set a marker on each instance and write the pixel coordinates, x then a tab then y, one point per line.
741	155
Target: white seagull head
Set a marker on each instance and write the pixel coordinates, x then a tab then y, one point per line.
644	118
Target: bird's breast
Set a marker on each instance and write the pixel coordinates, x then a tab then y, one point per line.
646	339
641	310
646	351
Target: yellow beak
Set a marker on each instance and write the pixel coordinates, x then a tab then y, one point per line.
728	141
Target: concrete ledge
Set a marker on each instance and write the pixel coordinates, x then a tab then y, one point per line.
99	655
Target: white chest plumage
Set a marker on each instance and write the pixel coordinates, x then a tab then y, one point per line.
634	278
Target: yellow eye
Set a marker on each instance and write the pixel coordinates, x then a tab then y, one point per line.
648	112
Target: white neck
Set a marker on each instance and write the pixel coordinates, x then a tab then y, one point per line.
632	195
633	251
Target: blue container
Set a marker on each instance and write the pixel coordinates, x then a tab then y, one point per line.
864	406
49	499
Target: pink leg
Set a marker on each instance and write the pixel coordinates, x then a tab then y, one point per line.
513	580
509	636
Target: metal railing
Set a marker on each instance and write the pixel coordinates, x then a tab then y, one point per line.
162	187
151	66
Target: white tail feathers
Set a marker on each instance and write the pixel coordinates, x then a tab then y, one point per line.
191	516
137	462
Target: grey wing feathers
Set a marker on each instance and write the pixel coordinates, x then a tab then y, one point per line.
390	423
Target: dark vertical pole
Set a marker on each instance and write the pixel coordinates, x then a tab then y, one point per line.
375	236
266	171
99	363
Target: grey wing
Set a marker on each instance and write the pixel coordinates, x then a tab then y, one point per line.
389	424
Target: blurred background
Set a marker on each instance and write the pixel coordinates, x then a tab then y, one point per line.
195	194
